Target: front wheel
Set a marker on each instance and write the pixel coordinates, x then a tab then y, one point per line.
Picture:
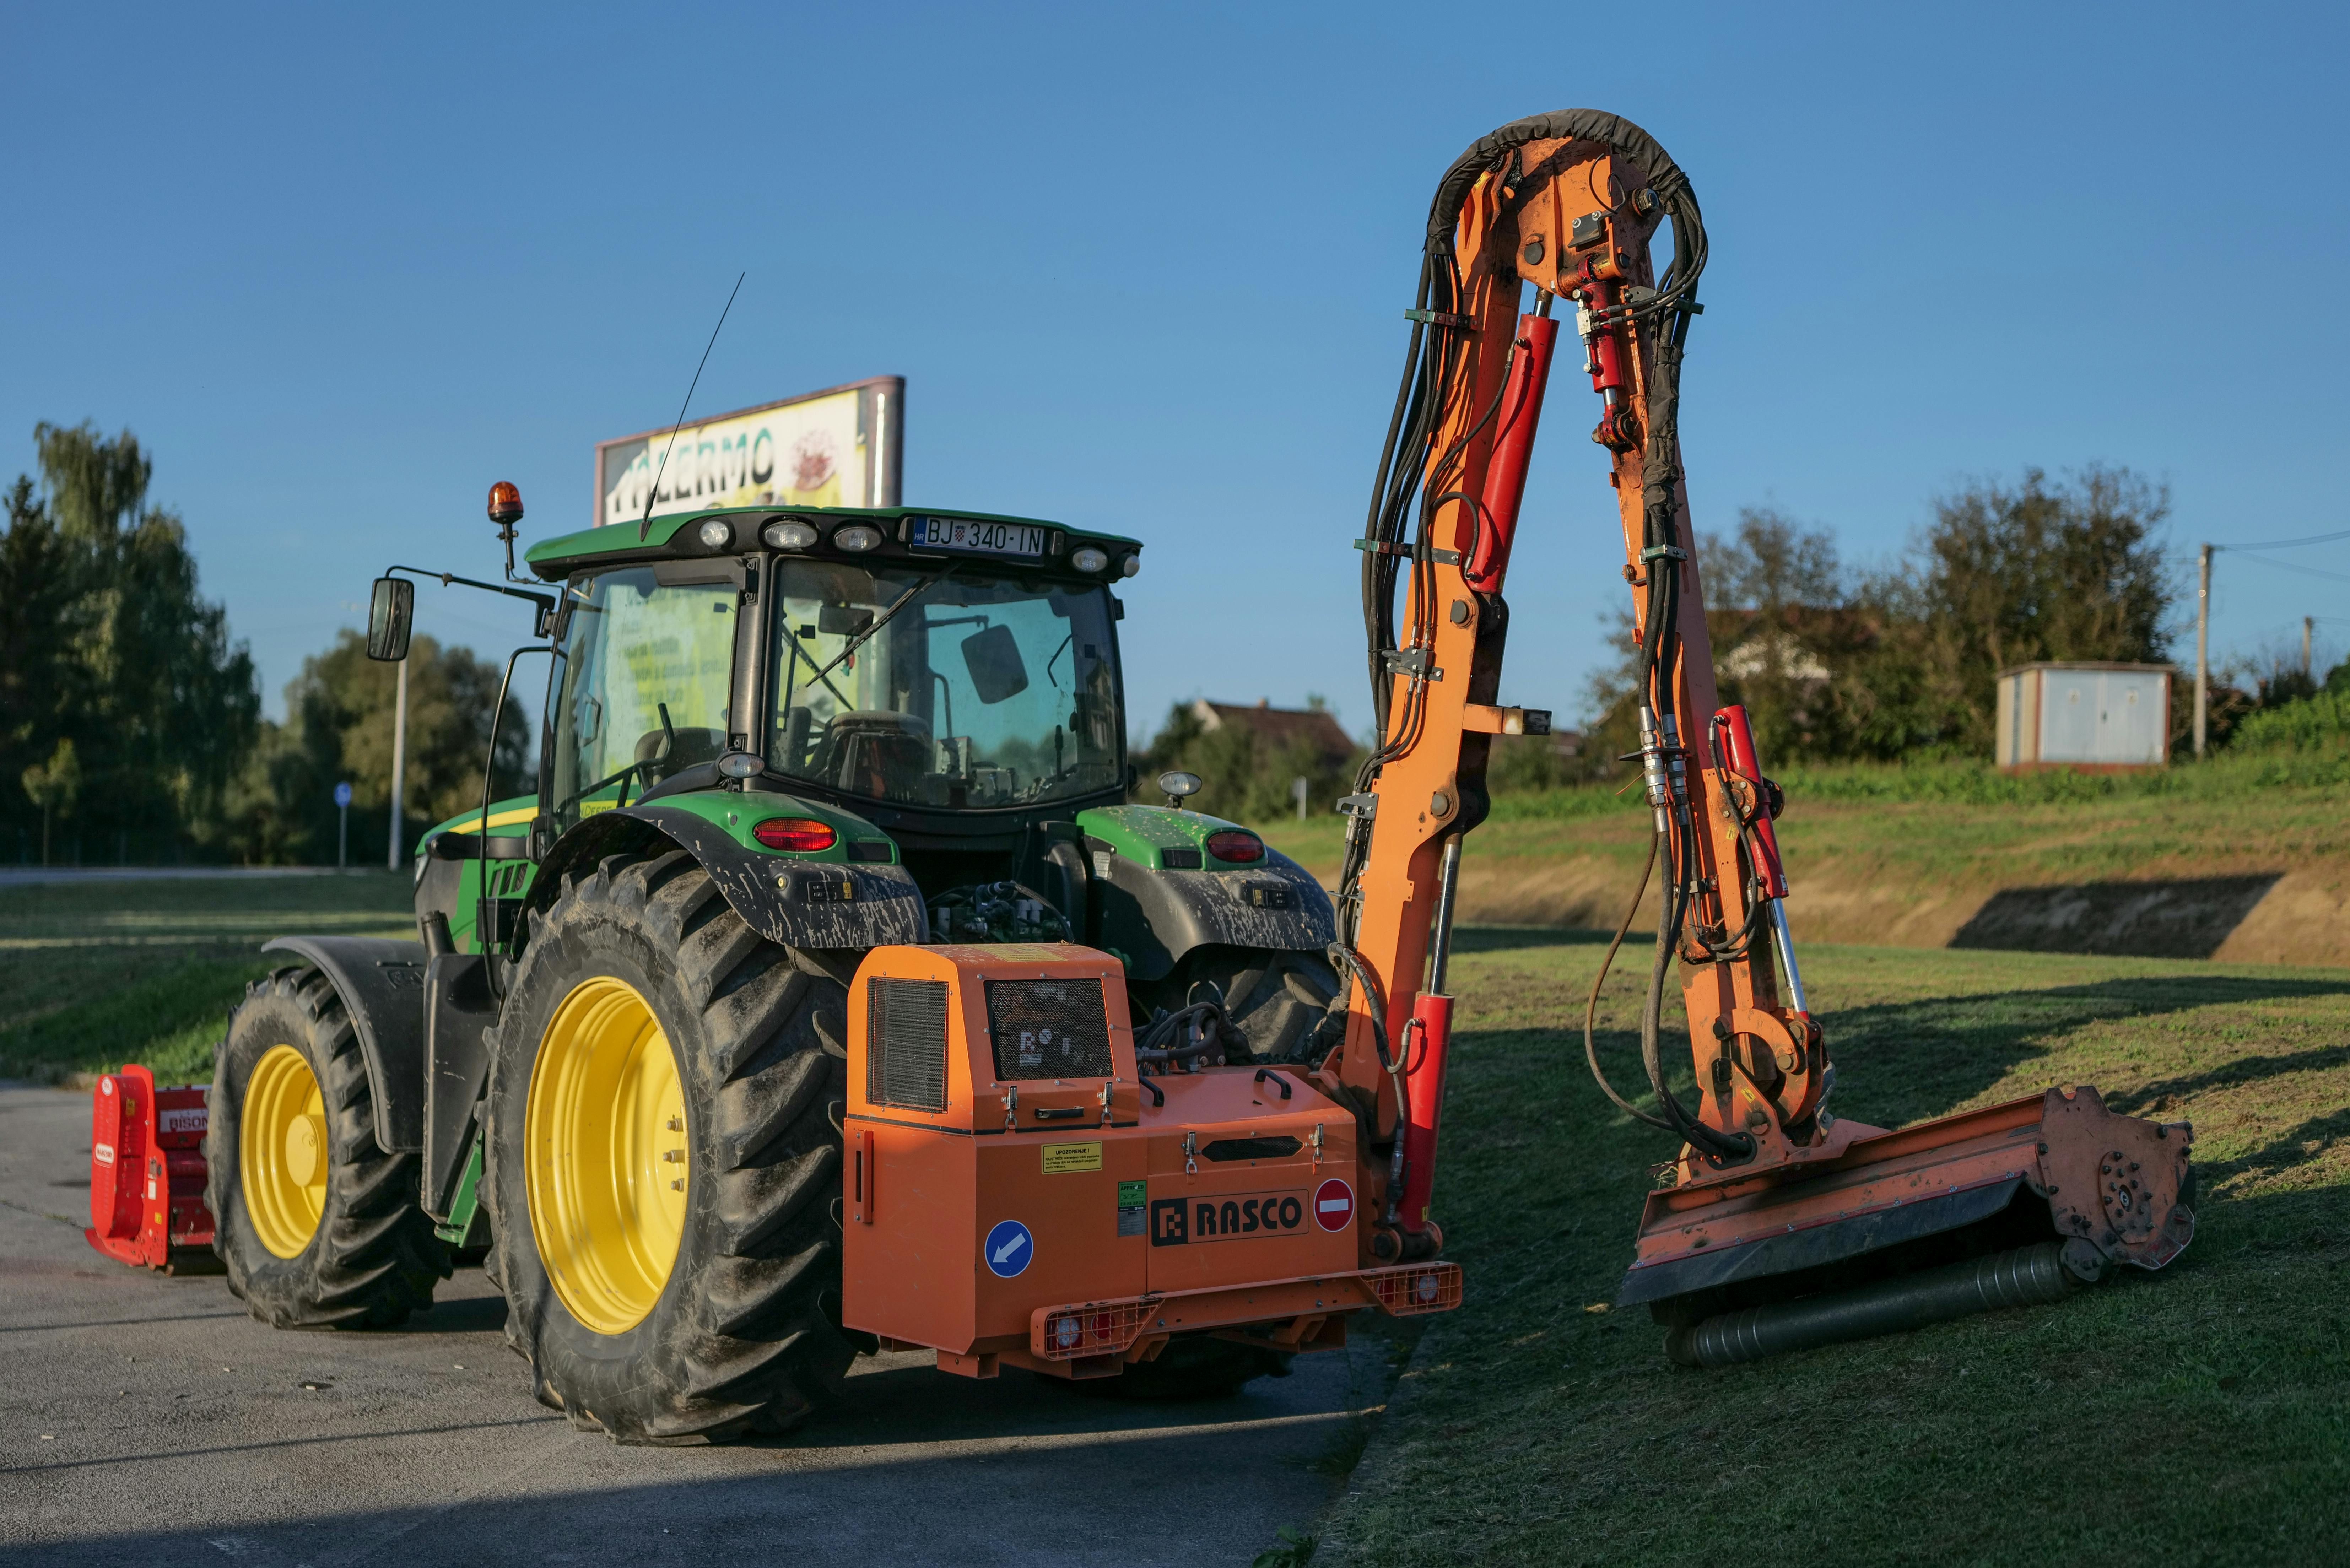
661	1161
318	1226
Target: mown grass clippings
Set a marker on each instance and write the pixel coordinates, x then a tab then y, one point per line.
2201	1414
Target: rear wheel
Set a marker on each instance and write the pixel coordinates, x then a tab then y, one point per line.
1277	999
316	1225
661	1161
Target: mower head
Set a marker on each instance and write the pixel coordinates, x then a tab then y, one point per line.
1869	1231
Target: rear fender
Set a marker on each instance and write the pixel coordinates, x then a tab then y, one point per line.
796	902
382	984
1154	917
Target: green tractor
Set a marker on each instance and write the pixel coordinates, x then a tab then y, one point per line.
613	1064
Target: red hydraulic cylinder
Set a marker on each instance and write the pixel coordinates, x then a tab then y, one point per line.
1513	443
1423	1098
1738	756
1607	365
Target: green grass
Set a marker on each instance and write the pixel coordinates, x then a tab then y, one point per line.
1908	855
2197	1415
96	974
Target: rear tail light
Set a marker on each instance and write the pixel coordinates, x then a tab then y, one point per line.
800	833
1064	1334
1243	847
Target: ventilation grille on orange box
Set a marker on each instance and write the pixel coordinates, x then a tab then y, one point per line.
906	1044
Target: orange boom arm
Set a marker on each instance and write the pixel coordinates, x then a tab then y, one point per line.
1562	209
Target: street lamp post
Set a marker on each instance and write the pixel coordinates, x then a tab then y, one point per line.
2203	650
399	762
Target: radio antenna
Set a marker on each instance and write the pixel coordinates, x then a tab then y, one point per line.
644	524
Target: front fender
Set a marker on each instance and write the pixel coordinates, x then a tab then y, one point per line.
381	983
799	903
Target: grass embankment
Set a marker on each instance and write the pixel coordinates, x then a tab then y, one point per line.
94	974
1909	854
2201	1414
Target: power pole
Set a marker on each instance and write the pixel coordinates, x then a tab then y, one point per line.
2307	622
399	761
2203	653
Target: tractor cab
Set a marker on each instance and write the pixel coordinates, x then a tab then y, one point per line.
962	691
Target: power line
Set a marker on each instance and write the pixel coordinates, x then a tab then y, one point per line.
2288	543
2295	567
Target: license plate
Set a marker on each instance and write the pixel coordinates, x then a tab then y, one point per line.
986	538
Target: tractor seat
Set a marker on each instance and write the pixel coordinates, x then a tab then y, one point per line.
874	751
692	745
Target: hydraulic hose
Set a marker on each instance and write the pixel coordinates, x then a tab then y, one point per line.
1591	1008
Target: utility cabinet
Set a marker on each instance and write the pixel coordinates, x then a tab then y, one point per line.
2092	717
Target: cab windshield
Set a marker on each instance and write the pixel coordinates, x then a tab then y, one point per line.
942	686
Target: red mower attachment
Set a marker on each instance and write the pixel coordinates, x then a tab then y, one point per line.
147	1173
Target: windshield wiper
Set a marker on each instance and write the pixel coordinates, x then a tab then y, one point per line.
878	622
801	656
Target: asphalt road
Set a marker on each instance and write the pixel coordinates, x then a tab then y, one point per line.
148	1420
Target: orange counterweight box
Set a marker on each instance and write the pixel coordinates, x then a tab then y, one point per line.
147	1173
1014	1191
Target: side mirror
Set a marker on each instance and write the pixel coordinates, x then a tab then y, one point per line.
1176	785
390	612
992	659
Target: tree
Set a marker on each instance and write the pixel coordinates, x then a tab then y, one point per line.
108	643
2007	577
53	786
1831	666
1785	629
338	729
1785	632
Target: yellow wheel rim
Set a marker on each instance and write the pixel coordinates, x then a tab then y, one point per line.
606	1161
282	1151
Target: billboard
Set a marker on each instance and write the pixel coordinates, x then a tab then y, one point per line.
840	447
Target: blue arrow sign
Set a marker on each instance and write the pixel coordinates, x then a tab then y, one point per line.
342	794
1008	1248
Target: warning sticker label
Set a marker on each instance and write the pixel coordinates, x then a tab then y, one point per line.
1132	1213
1060	1158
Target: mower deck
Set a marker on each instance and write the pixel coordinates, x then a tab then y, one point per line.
2114	1184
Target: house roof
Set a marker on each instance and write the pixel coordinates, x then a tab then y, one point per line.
2087	664
1279	726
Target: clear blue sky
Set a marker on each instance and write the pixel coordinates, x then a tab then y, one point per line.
1144	269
